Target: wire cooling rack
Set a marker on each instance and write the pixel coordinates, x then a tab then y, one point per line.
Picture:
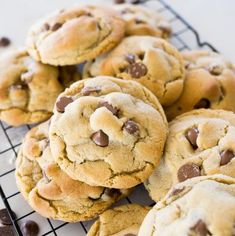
184	37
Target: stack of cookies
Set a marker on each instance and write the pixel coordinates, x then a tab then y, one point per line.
110	82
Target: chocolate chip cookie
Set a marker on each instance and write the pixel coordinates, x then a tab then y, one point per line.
28	89
75	35
121	221
209	83
151	61
200	142
141	20
200	206
108	132
50	191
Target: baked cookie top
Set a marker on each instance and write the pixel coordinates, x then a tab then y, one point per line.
108	132
28	89
141	20
200	142
199	206
209	83
151	61
75	35
124	220
50	191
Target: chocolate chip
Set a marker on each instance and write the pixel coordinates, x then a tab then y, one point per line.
130	58
131	127
139	21
100	138
119	1
176	191
137	70
46	26
109	107
111	192
188	171
130	235
7	231
30	228
4	217
200	229
141	56
56	26
226	157
203	103
62	103
192	135
216	70
88	90
4	42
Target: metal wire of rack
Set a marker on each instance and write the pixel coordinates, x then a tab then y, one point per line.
184	37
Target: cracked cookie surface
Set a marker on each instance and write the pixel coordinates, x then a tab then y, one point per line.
108	132
28	89
209	83
200	206
200	142
124	220
50	191
75	35
151	61
141	20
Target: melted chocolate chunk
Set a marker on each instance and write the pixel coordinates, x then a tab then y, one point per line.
109	107
137	70
131	127
192	135
56	26
203	103
62	103
119	1
100	138
200	228
188	171
226	157
139	21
